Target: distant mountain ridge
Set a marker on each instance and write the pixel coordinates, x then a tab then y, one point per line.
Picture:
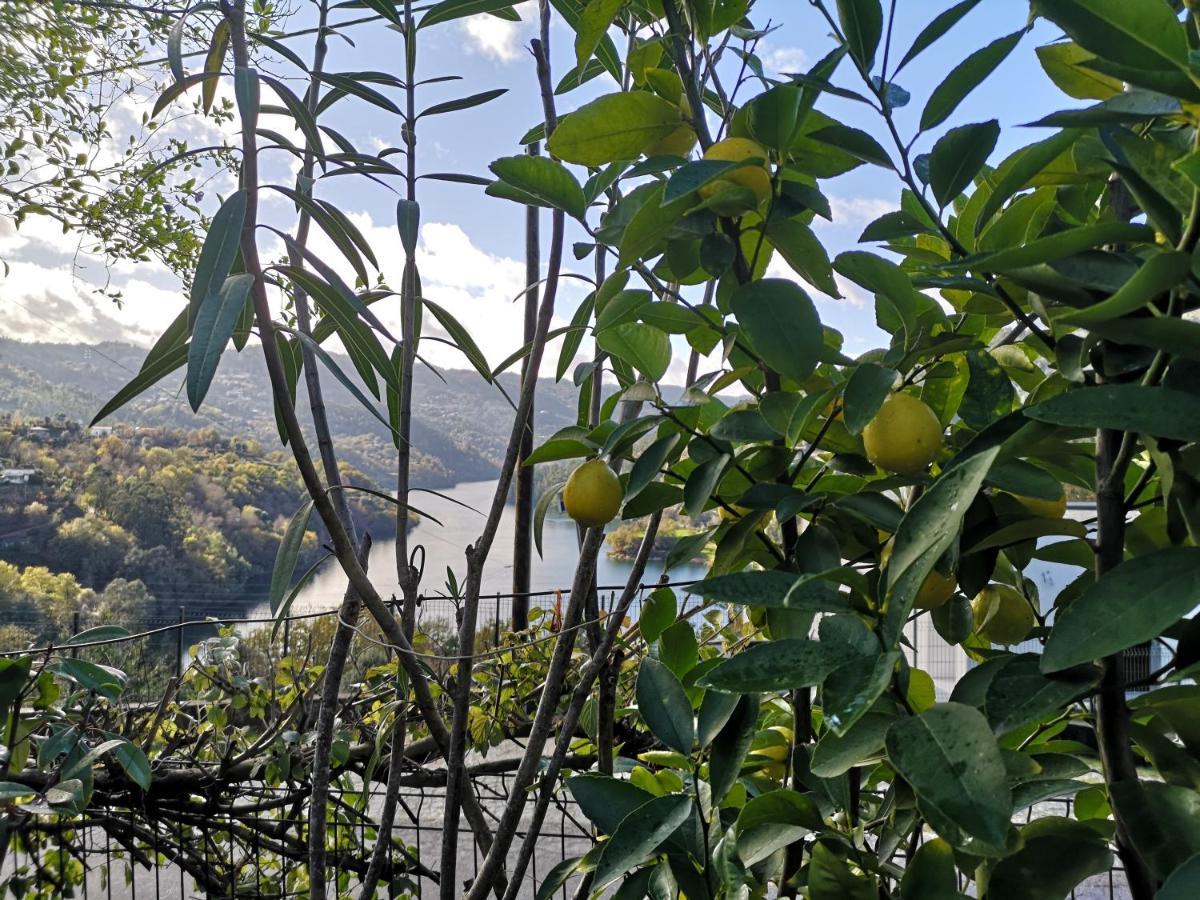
460	426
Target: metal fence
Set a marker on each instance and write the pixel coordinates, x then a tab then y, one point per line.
135	858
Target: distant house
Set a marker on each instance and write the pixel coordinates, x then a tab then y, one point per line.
38	433
20	476
100	431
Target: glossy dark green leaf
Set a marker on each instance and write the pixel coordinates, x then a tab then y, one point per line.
928	529
1157	275
664	706
782	325
644	347
802	250
1162	412
868	386
731	744
1184	883
835	754
776	666
1056	246
851	689
774	820
941	23
543	178
1015	173
701	483
958	156
1132	603
215	320
853	141
771	588
639	834
1143	35
1056	855
964	78
831	878
931	874
1019	693
862	24
219	251
1163	821
1124	109
606	800
463	103
950	758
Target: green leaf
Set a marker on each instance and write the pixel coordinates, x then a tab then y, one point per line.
776	666
927	531
1105	619
1015	173
701	482
772	589
1144	35
835	754
657	614
154	369
1157	275
215	320
731	745
868	386
1184	883
179	88
852	688
1055	856
220	249
558	876
300	115
540	511
964	78
690	177
1056	246
830	877
449	10
650	224
99	633
605	800
664	706
1163	822
941	23
857	143
782	325
545	179
408	221
806	255
639	834
949	757
1066	65
1158	411
613	127
1179	337
134	762
958	156
289	551
648	463
461	338
862	24
644	347
1127	108
931	874
1019	693
463	103
594	22
774	820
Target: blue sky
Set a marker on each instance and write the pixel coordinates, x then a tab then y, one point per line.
471	244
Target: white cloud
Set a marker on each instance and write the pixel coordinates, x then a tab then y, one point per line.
779	60
492	37
857	212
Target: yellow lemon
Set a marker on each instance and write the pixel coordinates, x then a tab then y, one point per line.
593	494
937	589
1045	509
1002	614
778	752
678	143
904	436
757	179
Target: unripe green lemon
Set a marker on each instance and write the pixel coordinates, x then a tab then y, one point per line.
1002	614
904	436
593	494
755	178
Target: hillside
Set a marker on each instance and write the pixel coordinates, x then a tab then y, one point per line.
459	426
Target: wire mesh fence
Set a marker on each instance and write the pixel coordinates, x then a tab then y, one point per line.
253	846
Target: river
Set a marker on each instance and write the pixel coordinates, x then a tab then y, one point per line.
444	545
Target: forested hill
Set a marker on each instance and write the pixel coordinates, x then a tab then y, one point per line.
460	424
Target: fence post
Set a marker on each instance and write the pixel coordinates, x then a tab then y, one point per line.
523	530
179	644
496	623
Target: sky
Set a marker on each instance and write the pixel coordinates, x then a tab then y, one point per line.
471	246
